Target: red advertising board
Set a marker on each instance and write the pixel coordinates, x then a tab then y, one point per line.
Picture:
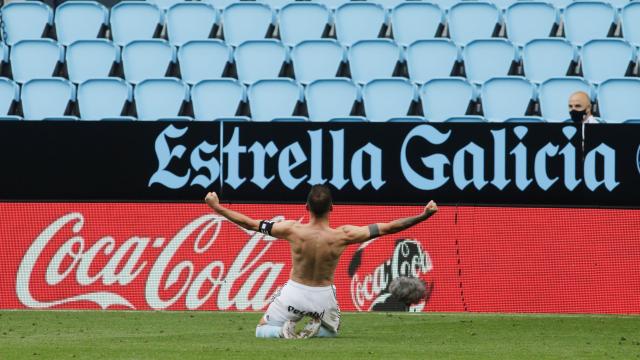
183	257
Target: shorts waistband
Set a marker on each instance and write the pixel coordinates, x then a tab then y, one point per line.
309	288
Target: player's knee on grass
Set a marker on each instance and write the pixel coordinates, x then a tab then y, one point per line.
324	332
268	331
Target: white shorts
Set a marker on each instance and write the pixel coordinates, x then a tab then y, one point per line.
293	301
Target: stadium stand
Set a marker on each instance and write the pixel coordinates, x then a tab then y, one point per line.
260	59
372	59
472	20
618	100
160	98
147	59
9	96
554	94
274	98
546	58
359	20
89	59
607	58
188	21
300	21
25	20
247	20
416	20
451	50
216	99
630	18
317	59
48	99
135	20
80	20
331	98
587	20
430	59
446	98
204	59
31	59
92	94
528	20
521	93
388	98
487	58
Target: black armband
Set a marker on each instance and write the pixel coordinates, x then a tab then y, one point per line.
265	226
374	230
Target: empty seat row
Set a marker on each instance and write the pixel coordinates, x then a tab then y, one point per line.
253	60
325	99
299	21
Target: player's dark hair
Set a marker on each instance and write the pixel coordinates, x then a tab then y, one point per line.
319	200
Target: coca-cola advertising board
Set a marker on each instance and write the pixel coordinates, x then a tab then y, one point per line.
143	256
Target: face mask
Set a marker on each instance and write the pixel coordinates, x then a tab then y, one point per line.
577	116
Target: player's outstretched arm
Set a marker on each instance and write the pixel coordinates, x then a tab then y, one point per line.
235	217
359	234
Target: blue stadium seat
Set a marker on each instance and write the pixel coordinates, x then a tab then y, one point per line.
350	119
160	98
359	20
546	58
506	97
487	58
525	119
31	59
471	20
276	5
87	59
588	20
604	59
560	4
618	100
372	59
80	20
408	119
23	20
630	15
466	119
273	98
103	98
317	59
134	20
505	4
9	95
388	98
260	59
430	59
445	98
215	99
203	59
528	20
415	20
147	59
246	20
47	98
164	5
188	21
331	98
301	21
332	4
553	97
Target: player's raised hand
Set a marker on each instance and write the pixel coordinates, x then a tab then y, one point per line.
431	208
212	200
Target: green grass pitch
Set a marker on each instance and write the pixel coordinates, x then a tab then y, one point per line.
97	335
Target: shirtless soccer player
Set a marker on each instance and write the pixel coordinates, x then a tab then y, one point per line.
315	251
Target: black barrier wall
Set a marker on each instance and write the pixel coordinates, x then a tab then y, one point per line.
523	164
